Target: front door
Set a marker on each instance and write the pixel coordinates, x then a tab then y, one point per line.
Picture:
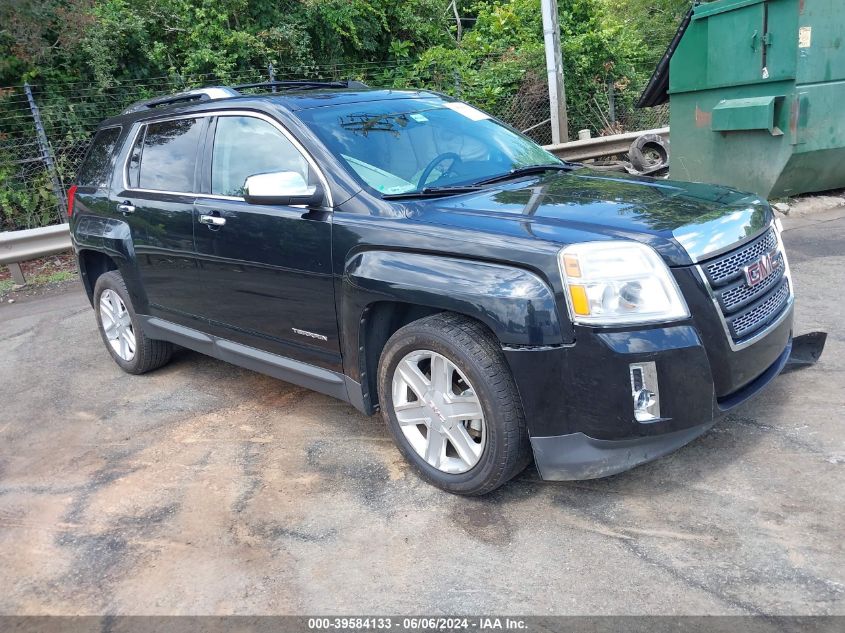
265	271
157	204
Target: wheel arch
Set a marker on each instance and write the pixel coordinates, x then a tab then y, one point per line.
383	291
379	321
102	245
92	265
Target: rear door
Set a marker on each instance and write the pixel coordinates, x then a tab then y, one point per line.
94	175
265	271
157	201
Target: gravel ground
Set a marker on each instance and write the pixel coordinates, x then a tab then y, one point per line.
208	489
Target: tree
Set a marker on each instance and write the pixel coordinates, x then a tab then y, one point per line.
656	22
86	59
502	56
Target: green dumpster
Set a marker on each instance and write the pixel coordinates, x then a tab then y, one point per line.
757	92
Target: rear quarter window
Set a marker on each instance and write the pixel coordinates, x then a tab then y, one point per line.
168	155
97	166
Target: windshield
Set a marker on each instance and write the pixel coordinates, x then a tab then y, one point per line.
406	145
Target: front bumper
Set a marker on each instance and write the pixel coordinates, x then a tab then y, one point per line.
578	404
578	456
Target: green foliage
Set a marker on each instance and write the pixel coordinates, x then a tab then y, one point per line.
503	56
655	22
88	58
54	278
488	65
109	41
106	42
25	205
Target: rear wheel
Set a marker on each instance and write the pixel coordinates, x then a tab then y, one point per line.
120	328
450	402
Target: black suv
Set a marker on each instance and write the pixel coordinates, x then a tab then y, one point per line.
406	252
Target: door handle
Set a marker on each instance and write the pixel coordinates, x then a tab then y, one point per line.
126	207
212	220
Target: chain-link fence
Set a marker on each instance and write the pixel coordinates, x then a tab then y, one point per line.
36	168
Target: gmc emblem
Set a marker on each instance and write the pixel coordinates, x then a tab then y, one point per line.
757	271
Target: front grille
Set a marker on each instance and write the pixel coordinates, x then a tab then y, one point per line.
760	314
740	294
730	266
747	310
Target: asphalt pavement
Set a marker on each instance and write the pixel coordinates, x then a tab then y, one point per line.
204	488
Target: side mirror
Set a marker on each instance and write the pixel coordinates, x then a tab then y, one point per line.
281	187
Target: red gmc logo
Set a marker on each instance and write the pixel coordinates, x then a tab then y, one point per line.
757	271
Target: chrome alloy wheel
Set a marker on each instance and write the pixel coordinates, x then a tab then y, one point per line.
117	324
438	411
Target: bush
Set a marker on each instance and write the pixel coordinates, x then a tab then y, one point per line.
25	204
502	59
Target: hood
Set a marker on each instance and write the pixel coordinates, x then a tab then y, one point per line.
684	222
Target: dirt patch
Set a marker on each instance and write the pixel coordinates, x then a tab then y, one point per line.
44	276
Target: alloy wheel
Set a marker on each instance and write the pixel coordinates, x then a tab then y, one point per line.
439	412
117	324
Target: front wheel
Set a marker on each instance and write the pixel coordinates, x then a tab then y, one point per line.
449	400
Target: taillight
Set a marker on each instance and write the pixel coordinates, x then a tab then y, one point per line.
71	195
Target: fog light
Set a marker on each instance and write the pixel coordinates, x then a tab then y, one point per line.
644	392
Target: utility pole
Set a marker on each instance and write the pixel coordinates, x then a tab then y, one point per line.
554	70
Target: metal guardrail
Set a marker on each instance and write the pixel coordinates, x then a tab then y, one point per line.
20	246
601	146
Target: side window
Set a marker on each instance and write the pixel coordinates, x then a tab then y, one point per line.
245	146
133	168
96	168
168	155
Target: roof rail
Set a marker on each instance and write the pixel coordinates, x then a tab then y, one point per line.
315	84
224	92
200	94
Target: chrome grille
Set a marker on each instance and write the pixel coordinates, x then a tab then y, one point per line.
747	310
740	294
760	314
730	266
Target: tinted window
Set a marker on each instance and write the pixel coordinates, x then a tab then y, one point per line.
169	155
96	168
134	166
245	146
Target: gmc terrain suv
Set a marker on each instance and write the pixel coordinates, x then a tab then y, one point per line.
409	254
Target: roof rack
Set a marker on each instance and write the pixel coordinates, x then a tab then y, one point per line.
200	94
304	85
224	92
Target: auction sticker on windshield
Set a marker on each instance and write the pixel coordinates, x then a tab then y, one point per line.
467	110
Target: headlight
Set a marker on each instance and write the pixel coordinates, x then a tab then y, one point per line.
618	283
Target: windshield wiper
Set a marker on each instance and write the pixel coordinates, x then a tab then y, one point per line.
431	192
519	172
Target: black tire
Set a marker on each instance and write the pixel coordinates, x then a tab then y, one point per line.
149	353
473	349
649	152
